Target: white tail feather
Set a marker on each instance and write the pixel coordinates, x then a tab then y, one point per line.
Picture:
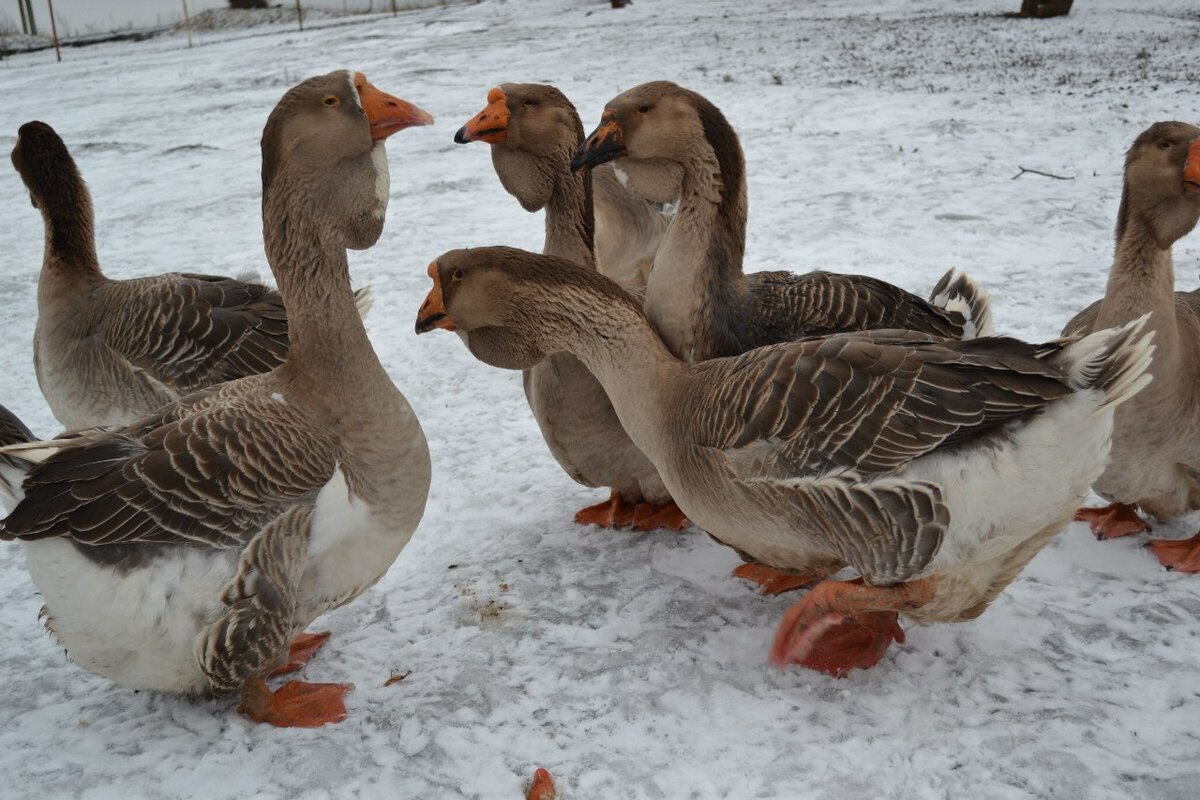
1113	361
957	291
364	300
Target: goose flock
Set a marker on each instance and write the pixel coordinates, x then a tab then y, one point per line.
231	470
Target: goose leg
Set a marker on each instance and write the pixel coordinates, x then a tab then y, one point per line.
296	704
615	512
1181	555
1113	521
845	625
773	581
301	650
543	786
650	516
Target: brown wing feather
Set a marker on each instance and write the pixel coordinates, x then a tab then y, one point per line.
870	402
208	471
790	306
191	331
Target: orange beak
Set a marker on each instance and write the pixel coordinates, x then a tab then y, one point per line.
387	114
433	310
489	125
606	143
1191	170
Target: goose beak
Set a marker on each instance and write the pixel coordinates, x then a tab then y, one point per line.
387	114
606	143
1191	170
433	310
489	125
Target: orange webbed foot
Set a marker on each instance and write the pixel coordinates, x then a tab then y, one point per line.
772	581
615	512
834	643
295	704
1180	555
543	786
845	625
650	516
301	651
1113	521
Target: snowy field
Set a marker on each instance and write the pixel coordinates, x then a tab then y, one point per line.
881	138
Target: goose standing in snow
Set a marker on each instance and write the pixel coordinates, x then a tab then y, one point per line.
935	468
108	352
697	296
184	552
1155	460
534	131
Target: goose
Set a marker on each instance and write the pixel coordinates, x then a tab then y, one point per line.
108	352
184	552
534	130
697	296
935	468
1155	461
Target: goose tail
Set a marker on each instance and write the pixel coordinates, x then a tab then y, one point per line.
13	468
364	300
957	291
1113	361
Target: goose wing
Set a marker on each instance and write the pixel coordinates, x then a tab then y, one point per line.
791	306
207	471
807	423
190	331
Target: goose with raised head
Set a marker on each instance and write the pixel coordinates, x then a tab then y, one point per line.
184	552
534	132
697	295
1155	461
108	352
935	468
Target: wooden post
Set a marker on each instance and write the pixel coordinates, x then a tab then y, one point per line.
24	24
394	12
299	15
54	30
187	23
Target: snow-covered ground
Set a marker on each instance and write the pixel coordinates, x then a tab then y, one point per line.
881	138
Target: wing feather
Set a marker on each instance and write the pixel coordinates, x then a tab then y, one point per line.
210	476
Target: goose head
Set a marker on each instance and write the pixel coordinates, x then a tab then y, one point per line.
45	165
323	156
534	131
509	306
1162	182
653	132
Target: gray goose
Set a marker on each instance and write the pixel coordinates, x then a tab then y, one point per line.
184	552
698	298
534	131
935	468
108	352
1155	461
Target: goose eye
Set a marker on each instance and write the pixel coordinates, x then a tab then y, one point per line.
644	109
331	101
1165	145
457	275
528	103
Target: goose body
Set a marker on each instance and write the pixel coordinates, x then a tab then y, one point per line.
108	352
185	551
1155	465
533	131
697	296
935	468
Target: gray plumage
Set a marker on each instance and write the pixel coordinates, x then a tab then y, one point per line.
107	351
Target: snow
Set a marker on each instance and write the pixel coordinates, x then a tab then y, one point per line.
881	138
